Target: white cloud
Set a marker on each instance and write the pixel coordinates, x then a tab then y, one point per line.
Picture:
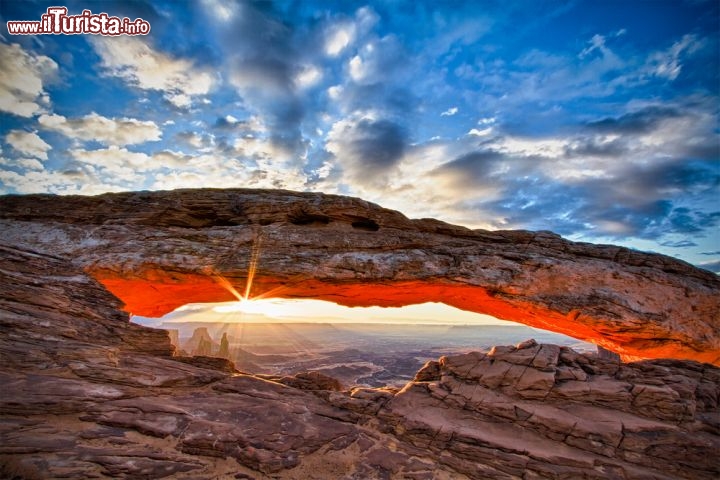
378	60
480	133
171	159
251	146
358	71
28	143
324	170
209	170
82	182
342	34
551	78
220	10
117	169
180	100
137	63
338	37
597	42
181	179
529	147
674	137
253	126
108	131
117	163
24	163
23	77
197	140
308	77
30	164
449	112
335	92
366	18
667	64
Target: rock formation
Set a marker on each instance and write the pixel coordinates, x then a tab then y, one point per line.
555	413
159	250
87	394
174	337
201	343
224	351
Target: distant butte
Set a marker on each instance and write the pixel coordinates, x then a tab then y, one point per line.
157	251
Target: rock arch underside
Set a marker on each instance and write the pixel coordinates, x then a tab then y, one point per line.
158	251
88	394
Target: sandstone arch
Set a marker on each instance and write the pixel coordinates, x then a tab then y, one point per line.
159	250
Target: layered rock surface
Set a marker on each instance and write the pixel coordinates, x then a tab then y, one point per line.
86	394
159	250
544	411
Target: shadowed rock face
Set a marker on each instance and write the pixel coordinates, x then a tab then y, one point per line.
157	251
86	394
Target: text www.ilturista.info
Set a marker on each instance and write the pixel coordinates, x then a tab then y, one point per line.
57	22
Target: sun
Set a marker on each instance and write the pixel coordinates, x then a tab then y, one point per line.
270	307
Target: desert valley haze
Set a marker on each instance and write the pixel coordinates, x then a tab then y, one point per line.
360	240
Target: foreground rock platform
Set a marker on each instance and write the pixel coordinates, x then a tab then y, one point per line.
87	394
157	251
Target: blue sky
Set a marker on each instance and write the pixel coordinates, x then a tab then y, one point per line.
597	120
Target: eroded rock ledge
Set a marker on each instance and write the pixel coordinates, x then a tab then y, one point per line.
159	250
86	394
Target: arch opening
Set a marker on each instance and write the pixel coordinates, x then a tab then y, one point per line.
159	292
362	346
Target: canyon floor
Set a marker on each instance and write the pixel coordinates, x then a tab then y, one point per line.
365	355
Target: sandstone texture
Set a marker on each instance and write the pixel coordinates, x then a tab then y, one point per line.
544	411
156	251
87	394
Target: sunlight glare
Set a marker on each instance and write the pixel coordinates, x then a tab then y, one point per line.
271	307
274	310
252	268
